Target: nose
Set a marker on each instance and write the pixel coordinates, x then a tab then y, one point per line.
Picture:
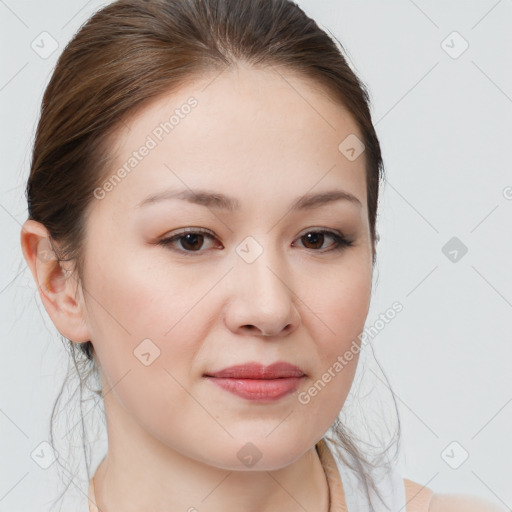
262	300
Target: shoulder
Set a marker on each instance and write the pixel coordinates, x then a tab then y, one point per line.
462	502
420	498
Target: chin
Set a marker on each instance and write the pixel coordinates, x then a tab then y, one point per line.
260	454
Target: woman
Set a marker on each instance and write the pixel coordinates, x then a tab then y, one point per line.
202	207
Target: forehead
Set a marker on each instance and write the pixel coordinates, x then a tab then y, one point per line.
258	129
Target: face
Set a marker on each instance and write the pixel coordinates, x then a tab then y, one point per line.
254	280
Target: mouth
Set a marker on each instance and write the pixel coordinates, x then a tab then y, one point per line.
256	382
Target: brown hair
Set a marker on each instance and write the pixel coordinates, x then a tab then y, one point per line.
132	51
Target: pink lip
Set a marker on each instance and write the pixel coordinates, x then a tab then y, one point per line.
277	370
257	382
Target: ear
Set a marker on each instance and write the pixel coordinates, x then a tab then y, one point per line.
59	290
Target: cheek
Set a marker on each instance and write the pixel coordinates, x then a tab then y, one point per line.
139	296
340	301
146	333
143	322
340	306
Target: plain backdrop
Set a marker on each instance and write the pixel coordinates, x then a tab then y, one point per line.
440	79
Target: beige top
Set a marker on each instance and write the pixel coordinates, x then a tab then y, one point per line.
417	497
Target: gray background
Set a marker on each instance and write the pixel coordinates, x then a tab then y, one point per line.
444	122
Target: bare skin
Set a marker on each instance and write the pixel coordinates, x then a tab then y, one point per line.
266	138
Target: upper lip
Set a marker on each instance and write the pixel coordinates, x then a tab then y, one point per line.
252	370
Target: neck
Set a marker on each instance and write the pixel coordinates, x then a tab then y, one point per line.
278	495
148	475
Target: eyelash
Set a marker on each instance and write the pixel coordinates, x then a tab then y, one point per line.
340	241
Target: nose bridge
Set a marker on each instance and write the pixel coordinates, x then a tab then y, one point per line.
261	289
259	266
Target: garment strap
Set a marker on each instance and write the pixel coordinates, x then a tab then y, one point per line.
337	501
417	496
92	497
398	493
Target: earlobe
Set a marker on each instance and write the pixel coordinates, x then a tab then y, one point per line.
56	285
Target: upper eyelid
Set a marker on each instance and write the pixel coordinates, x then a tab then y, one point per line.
204	231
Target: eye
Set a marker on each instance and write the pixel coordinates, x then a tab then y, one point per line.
317	239
191	239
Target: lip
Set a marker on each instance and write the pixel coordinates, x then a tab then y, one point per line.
256	382
278	370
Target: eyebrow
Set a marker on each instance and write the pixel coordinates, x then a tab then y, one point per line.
220	201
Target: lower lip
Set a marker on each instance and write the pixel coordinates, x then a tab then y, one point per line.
258	389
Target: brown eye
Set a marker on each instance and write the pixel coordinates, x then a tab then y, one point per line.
314	240
191	241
